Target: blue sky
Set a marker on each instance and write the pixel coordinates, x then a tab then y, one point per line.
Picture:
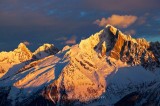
63	22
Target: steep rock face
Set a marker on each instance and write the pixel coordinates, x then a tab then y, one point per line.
45	50
155	48
133	51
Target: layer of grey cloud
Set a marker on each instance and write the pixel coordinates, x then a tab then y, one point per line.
72	40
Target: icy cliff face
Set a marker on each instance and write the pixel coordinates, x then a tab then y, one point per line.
100	70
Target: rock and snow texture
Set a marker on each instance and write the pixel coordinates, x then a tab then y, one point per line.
101	62
9	59
108	64
45	50
22	55
32	78
27	83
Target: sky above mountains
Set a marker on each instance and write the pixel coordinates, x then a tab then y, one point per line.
63	22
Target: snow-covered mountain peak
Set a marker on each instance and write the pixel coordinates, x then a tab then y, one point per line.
112	29
105	38
94	42
45	50
23	52
22	45
112	42
108	64
9	59
22	55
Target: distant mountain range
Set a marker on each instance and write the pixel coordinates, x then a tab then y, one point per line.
23	55
108	68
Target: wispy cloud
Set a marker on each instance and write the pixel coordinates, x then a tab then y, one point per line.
61	38
26	43
142	19
121	21
130	32
72	40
